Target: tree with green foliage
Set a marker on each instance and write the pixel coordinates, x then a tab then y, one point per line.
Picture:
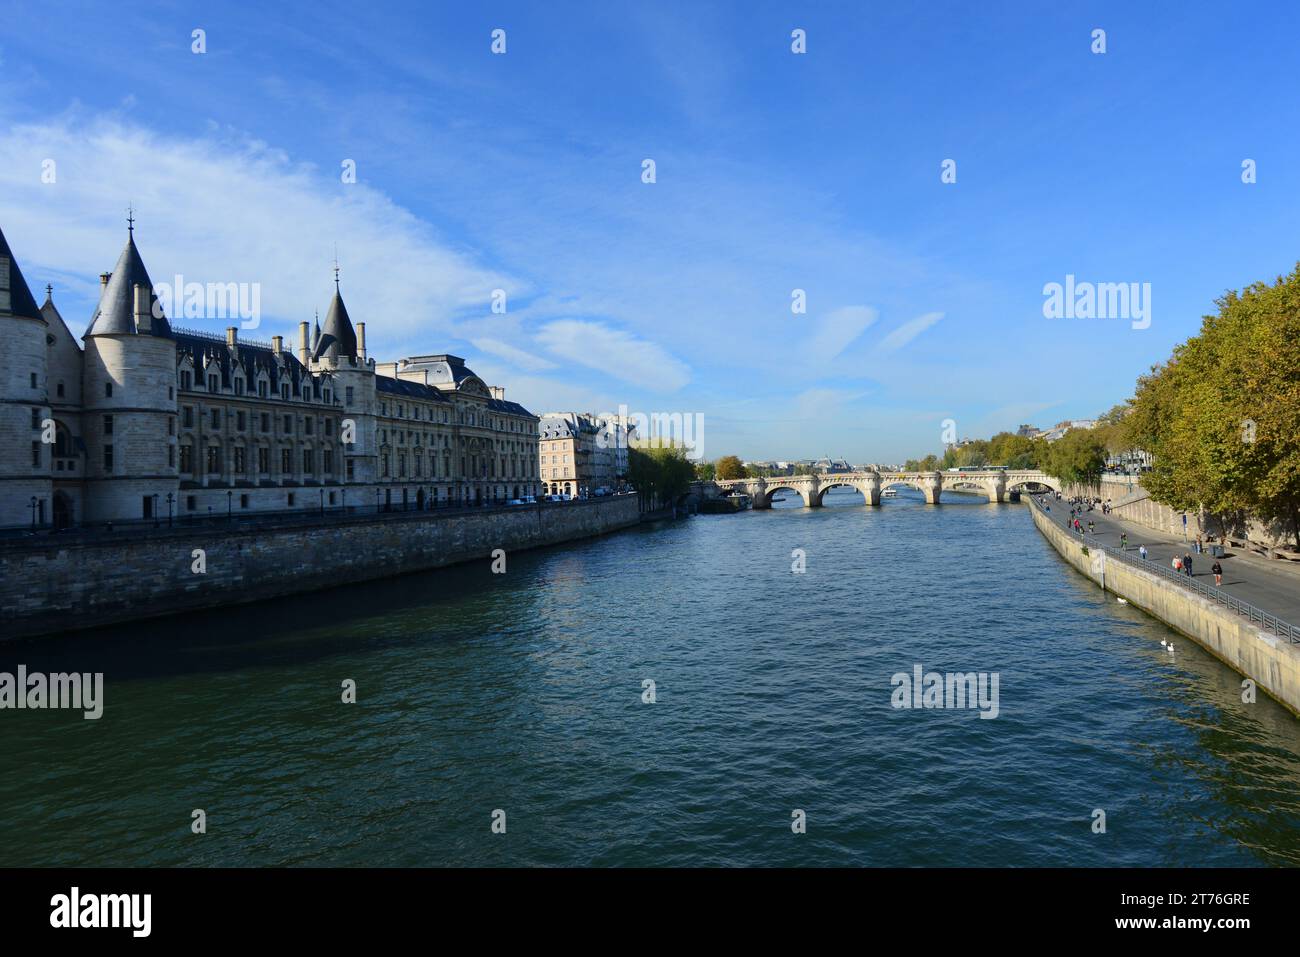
660	474
730	467
930	463
1078	458
1222	416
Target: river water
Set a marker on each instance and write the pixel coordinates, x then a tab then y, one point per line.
523	693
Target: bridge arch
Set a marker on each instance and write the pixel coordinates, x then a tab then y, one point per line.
770	492
857	486
989	490
1041	481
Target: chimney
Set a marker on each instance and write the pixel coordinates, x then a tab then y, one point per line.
304	351
232	336
143	313
277	344
498	391
361	341
103	279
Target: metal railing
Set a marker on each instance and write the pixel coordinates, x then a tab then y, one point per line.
1283	629
233	517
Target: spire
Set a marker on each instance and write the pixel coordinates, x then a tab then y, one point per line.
338	338
50	312
15	297
115	314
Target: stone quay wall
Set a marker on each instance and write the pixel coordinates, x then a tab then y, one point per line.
48	585
1272	662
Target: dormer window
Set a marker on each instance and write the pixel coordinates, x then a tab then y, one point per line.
261	388
212	384
284	391
187	381
239	387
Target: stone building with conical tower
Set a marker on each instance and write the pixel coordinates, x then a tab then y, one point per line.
148	422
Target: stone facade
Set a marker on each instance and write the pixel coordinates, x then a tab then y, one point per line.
148	421
582	453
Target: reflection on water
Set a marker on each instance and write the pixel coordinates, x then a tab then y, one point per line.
523	692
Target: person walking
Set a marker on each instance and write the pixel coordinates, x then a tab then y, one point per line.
1091	526
1187	565
1218	574
1123	542
1177	563
1142	552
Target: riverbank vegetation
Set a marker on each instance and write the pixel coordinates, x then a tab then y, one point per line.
659	474
1221	417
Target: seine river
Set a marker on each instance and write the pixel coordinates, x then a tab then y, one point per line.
523	693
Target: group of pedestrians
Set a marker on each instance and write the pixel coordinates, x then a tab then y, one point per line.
1079	507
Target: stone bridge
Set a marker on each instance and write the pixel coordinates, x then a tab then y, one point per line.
996	484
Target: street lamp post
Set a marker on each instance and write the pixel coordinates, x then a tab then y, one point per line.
322	501
169	509
155	509
33	513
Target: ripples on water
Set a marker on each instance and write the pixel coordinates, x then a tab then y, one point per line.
523	692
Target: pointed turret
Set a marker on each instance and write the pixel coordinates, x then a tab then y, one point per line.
16	298
116	313
338	339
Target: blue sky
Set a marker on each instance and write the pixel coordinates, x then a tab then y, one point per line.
775	171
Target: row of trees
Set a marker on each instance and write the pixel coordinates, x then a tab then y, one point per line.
1221	417
730	467
1079	456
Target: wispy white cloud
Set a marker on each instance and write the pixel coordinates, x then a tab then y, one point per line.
908	331
224	207
521	358
837	329
615	352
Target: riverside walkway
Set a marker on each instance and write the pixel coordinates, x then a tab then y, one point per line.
1272	585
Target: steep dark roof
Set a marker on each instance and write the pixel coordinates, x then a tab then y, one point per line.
337	334
557	427
115	314
15	297
510	408
283	367
412	390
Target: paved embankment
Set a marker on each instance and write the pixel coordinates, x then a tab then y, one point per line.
1255	640
1271	584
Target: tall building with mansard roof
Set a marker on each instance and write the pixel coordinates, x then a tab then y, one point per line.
144	420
